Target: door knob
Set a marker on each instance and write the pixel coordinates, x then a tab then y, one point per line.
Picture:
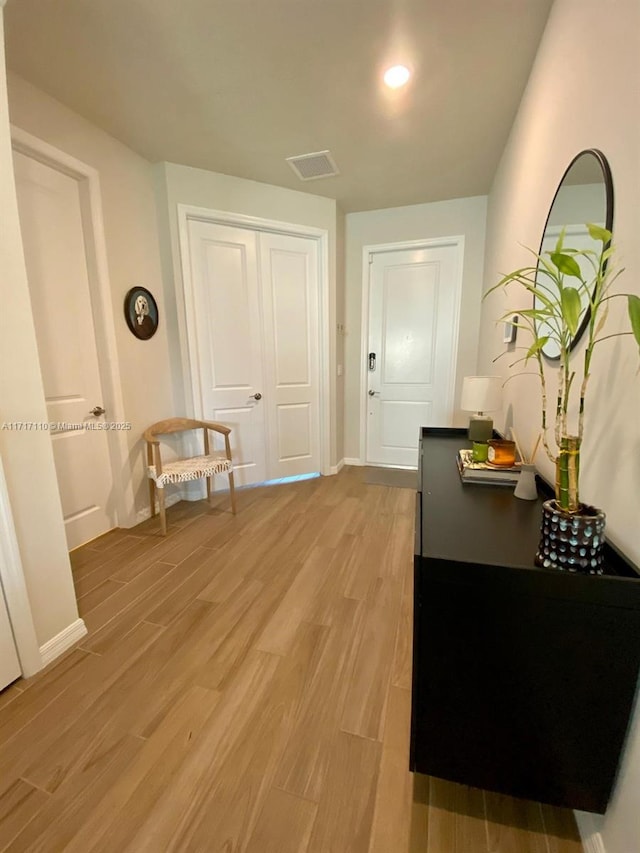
373	393
257	396
96	411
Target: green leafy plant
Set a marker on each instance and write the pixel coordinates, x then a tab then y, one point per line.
563	297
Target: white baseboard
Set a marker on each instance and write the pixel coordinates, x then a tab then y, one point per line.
54	647
144	514
335	469
591	839
593	844
350	461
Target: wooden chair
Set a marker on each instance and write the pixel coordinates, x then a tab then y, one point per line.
183	470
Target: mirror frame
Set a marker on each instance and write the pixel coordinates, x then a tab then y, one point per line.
608	224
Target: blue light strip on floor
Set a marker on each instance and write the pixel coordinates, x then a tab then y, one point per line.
290	479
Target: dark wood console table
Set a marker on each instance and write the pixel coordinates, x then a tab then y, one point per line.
523	678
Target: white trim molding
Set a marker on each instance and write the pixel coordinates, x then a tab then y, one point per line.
88	180
59	644
591	838
335	469
348	460
185	300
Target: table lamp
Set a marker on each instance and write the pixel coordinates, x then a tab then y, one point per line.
481	394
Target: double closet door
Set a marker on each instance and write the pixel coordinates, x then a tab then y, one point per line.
252	307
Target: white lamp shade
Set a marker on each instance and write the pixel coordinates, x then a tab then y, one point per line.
481	394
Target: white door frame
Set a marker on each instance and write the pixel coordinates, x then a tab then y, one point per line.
15	590
88	181
189	344
381	248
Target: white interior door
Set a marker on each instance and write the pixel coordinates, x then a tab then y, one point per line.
252	317
51	221
414	297
289	276
9	663
228	340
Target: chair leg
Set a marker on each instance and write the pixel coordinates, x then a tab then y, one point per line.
209	481
152	497
163	517
232	492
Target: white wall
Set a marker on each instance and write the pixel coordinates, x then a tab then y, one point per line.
133	256
583	93
177	184
28	456
464	216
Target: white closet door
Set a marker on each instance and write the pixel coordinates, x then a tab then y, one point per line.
225	332
253	326
289	273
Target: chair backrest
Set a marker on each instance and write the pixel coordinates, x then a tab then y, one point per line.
172	425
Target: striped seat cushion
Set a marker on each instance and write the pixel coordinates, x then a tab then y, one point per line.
183	470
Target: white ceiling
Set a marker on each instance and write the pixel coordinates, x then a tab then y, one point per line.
235	86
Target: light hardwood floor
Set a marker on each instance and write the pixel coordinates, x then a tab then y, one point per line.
245	686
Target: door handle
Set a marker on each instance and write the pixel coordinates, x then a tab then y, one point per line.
97	411
257	396
374	393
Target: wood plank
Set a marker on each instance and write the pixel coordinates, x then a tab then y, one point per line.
55	825
281	628
253	605
122	709
97	595
85	561
10	693
394	793
305	760
561	830
226	816
39	692
31	747
322	606
125	596
117	816
171	815
104	639
514	826
367	560
199	567
402	658
456	818
345	812
20	802
284	824
364	705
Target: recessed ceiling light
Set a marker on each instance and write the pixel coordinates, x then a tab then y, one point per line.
397	76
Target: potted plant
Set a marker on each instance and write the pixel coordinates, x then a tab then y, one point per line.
566	300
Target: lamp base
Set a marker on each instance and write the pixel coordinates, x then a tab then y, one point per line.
480	428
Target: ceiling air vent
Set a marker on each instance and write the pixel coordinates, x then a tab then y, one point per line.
310	167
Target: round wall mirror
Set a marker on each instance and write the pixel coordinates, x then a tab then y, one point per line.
585	194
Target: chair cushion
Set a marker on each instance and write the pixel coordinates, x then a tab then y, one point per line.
194	468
